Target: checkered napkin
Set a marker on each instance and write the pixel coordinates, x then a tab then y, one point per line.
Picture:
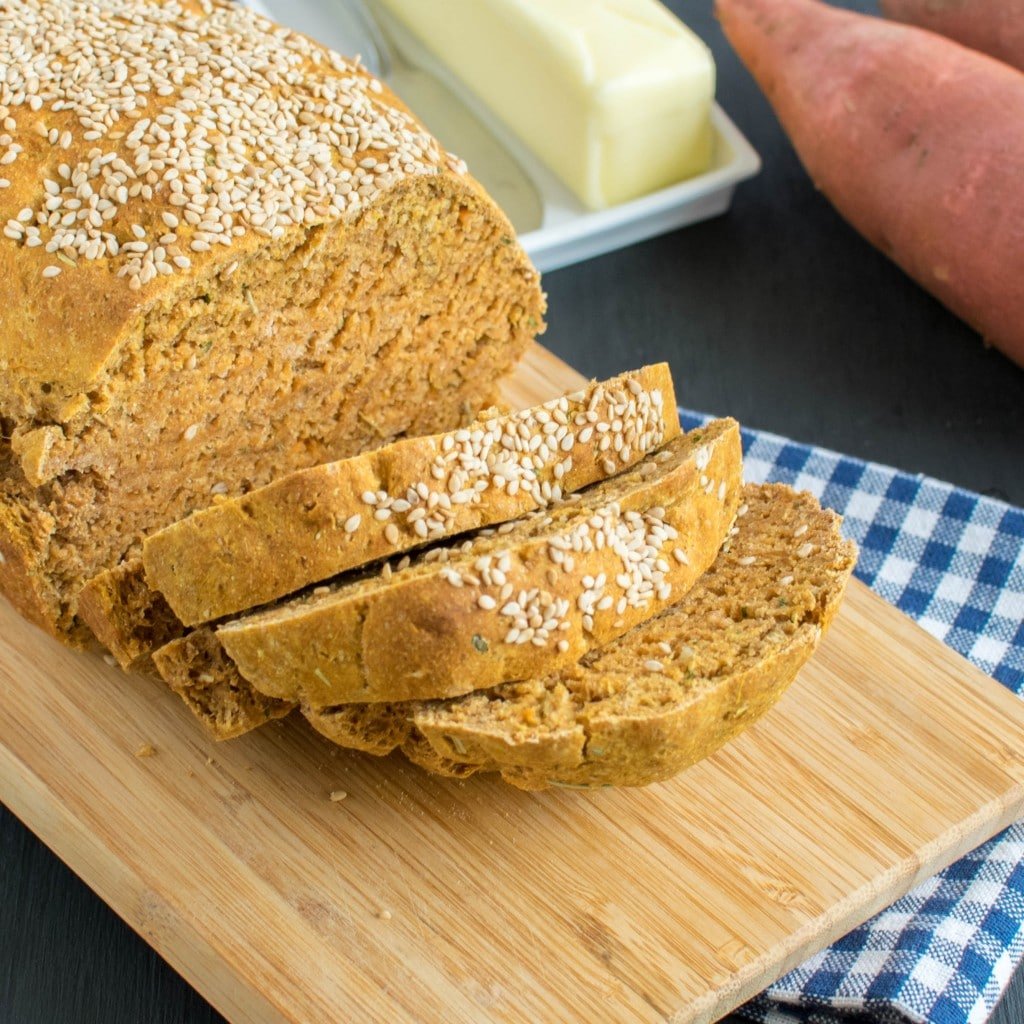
954	562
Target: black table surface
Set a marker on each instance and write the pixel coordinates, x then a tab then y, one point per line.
777	314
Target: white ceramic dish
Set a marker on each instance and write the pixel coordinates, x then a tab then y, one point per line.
569	233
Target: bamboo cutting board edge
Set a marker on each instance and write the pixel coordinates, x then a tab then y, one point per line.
164	917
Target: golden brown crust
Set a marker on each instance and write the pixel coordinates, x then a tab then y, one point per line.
21	578
616	720
65	331
438	630
316	523
133	394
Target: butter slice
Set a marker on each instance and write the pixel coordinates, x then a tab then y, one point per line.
613	95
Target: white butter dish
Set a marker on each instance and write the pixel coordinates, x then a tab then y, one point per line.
561	230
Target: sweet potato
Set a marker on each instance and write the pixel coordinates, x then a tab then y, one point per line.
995	27
915	139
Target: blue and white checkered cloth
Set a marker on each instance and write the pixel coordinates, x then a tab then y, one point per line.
953	561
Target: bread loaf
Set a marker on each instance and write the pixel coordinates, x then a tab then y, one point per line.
227	253
505	604
315	523
665	695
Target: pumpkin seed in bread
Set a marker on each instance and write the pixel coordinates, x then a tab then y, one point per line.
509	602
315	523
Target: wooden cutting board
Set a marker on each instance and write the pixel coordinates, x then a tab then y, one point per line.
419	899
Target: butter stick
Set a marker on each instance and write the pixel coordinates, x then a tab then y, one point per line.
613	95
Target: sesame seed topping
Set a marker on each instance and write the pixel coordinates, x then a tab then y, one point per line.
191	432
51	272
654	666
747	560
207	109
786	581
800	530
352	523
391	534
486	602
804	550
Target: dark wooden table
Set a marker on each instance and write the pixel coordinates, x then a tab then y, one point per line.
777	314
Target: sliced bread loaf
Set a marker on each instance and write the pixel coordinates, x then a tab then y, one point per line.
660	698
507	603
316	523
245	258
678	687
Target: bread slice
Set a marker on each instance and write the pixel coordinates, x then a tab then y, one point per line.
128	617
676	688
665	695
506	603
197	670
316	523
216	278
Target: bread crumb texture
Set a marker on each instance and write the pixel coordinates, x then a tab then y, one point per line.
227	253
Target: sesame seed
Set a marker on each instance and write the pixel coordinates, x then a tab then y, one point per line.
51	272
804	550
654	666
352	523
786	581
191	432
800	530
486	602
391	533
747	560
219	136
680	556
